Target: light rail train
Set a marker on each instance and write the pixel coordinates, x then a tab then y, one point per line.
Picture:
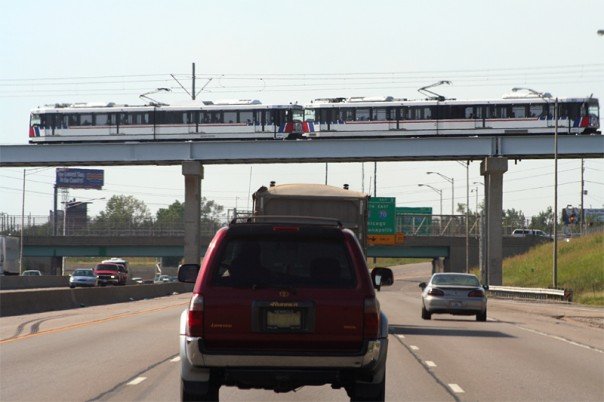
322	118
389	117
242	119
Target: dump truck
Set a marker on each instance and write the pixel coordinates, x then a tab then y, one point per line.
317	200
9	255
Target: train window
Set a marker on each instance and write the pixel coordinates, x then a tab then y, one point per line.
456	112
122	119
429	113
573	110
404	113
138	118
204	117
347	114
268	117
309	115
479	110
469	112
518	111
101	119
362	114
536	110
415	113
73	120
378	114
46	120
86	119
230	117
593	109
36	119
247	117
215	117
336	116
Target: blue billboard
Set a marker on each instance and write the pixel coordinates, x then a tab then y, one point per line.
80	178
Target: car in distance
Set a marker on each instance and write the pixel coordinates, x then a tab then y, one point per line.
529	232
111	274
84	277
283	303
454	293
31	272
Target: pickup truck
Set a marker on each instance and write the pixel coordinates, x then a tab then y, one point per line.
111	274
281	303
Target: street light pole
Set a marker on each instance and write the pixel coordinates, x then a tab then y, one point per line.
452	181
440	193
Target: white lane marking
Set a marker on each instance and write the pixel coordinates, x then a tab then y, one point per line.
430	363
176	359
559	338
456	388
400	336
413	347
137	380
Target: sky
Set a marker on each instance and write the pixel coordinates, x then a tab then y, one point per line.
282	51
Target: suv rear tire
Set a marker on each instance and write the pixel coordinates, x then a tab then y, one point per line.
481	316
191	391
359	392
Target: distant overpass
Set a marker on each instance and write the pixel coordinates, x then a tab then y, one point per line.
450	248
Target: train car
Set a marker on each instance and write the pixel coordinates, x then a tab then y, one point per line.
224	120
511	115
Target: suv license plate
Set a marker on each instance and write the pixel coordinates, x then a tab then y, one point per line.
284	319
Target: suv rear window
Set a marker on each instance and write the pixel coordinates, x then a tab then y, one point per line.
283	261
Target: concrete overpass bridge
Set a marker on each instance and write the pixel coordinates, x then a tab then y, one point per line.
450	250
493	152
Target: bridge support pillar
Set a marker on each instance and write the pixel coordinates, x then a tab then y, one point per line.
493	169
193	173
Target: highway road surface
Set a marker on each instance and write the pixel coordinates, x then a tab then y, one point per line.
526	351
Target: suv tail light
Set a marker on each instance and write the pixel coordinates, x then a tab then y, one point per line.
371	318
476	293
195	322
436	292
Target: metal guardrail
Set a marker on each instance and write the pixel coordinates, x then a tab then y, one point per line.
531	293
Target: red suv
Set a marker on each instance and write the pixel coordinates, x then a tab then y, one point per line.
111	274
280	303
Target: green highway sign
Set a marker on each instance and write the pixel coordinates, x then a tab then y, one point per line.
382	214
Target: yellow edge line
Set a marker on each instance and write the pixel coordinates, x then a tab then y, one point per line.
87	323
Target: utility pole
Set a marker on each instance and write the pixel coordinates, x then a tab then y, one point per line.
582	214
193	83
375	179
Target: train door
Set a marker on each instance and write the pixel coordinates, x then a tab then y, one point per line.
479	116
393	115
191	120
324	118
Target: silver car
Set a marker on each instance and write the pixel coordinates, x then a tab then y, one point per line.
454	293
83	277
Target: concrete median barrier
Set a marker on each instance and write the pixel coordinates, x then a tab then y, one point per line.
18	302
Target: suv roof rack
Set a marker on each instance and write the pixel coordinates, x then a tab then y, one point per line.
306	220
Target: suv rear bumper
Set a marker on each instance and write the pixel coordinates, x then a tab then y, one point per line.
371	354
